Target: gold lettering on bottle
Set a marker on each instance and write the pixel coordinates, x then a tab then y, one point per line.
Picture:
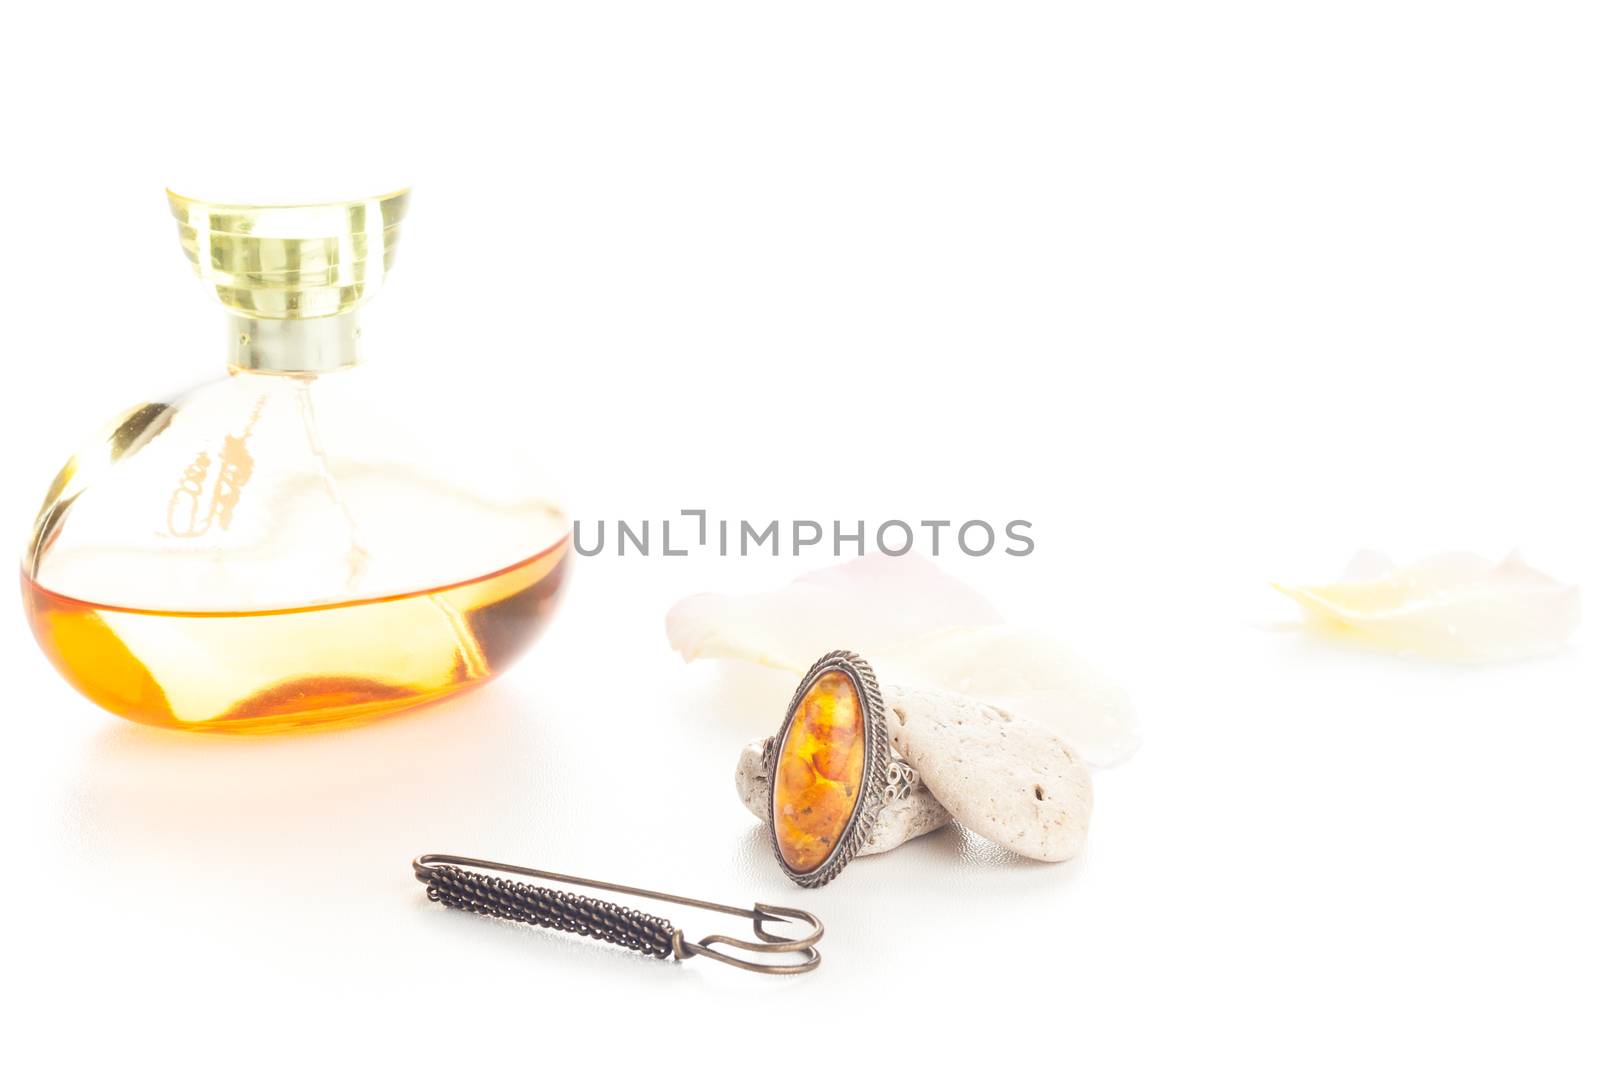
234	466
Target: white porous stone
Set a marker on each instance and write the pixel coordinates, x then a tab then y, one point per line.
1003	777
898	822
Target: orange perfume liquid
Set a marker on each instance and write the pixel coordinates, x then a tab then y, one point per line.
297	668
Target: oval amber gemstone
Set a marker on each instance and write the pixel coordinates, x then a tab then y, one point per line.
818	776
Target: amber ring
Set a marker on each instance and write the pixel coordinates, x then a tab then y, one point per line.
830	770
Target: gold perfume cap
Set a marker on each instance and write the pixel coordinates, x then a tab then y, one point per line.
291	261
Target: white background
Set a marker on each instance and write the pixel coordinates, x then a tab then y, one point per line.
1214	294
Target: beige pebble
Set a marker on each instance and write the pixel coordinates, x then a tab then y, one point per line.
1001	776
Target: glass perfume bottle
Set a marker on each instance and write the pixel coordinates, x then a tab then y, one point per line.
280	548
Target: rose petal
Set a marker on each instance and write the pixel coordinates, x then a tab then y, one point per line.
919	627
1456	607
867	603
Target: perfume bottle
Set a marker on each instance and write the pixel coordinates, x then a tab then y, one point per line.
287	546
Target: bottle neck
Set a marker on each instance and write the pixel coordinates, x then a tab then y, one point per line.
294	346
